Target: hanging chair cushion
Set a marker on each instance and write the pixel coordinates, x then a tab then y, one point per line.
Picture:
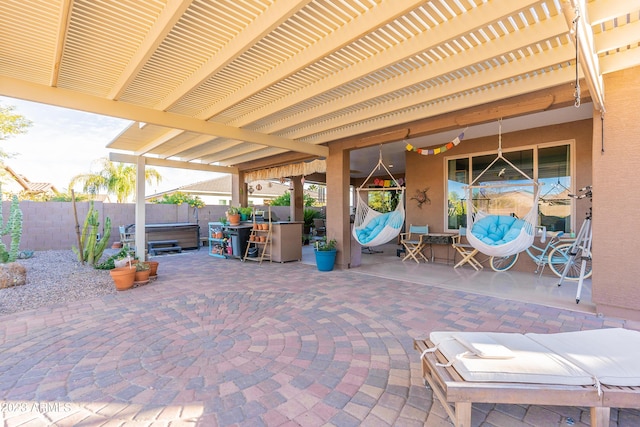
497	230
375	226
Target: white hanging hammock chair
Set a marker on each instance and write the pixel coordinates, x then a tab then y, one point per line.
373	228
501	235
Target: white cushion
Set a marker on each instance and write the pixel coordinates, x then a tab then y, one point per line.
531	362
482	345
611	355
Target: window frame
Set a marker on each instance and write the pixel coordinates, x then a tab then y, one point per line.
535	147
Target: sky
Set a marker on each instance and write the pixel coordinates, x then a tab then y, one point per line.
63	143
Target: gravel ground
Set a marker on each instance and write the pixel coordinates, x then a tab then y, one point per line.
54	277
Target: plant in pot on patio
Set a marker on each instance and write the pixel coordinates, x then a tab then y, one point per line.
325	251
143	269
245	213
123	277
153	269
233	215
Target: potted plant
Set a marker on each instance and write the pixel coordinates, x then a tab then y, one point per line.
123	277
153	269
143	269
325	251
309	216
245	213
233	215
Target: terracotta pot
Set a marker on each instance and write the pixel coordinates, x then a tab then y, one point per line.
153	271
252	238
116	245
234	219
123	277
141	277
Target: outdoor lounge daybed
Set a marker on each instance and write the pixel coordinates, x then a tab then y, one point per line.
599	369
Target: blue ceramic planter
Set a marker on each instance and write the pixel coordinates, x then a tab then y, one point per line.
325	259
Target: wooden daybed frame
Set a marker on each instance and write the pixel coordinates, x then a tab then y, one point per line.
457	395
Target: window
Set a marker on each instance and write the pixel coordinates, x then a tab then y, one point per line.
550	165
384	200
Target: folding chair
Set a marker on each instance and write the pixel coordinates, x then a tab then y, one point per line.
465	250
413	242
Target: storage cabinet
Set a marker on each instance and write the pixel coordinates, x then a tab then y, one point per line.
287	241
217	240
233	241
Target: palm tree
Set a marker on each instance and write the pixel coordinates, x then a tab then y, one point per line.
115	178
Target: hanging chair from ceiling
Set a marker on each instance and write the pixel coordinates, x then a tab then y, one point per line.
373	228
501	235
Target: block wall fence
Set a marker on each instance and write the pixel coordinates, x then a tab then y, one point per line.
52	225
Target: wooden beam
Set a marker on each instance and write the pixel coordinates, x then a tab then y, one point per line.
506	110
152	161
22	89
561	96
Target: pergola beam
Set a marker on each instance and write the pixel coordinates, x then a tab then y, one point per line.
382	14
21	89
152	161
411	47
170	15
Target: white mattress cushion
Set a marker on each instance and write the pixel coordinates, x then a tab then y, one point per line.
531	362
611	355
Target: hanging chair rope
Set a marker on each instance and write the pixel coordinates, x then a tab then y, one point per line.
373	228
501	235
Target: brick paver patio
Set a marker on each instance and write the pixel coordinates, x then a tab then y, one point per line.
217	342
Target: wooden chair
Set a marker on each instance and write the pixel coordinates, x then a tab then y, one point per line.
465	250
413	242
319	227
127	238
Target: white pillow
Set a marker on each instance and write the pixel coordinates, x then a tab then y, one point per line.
483	346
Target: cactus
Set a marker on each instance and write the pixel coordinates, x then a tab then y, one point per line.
91	249
13	227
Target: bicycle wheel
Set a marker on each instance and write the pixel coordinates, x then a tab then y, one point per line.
560	256
502	263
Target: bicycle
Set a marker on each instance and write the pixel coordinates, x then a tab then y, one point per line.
556	254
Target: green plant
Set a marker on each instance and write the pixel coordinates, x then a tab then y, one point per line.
309	216
13	227
326	244
109	263
91	248
179	198
143	266
246	211
233	210
223	220
285	200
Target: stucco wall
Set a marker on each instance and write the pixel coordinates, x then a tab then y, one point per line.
616	201
51	225
429	171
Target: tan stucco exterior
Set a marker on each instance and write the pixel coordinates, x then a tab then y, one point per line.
616	203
